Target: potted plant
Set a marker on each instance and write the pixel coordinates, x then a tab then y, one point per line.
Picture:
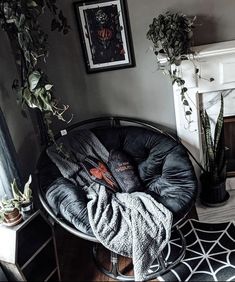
213	177
9	212
24	199
172	34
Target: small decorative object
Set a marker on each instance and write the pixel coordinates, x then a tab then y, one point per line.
213	178
171	34
9	212
105	33
13	217
24	199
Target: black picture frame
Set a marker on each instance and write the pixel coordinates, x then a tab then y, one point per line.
105	34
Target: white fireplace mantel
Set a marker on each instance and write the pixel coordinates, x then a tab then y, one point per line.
215	61
215	49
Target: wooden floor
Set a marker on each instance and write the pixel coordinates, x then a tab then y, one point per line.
76	262
220	214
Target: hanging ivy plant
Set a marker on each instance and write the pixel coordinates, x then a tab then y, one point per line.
171	34
20	20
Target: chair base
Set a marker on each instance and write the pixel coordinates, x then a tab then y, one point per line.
163	265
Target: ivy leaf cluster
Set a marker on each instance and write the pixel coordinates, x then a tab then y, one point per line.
171	34
21	21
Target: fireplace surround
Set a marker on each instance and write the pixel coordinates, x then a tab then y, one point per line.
215	61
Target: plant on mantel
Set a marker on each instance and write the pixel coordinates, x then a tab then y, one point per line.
171	34
20	20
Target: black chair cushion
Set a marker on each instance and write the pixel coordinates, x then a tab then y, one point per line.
163	164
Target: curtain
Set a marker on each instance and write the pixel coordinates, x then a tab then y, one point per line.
8	166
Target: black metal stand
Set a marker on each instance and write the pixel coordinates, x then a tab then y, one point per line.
163	265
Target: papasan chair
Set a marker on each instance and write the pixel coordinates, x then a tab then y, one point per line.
170	179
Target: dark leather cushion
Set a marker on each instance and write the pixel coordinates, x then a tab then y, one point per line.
124	171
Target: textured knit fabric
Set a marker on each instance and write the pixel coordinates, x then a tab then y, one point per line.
133	225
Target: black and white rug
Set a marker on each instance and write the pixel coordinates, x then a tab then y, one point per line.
210	253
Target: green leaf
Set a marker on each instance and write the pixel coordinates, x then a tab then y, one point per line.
33	79
185	103
21	21
26	94
27	56
39	92
16	191
48	87
208	148
32	4
219	125
27	190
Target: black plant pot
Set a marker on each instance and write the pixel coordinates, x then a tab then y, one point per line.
26	210
213	195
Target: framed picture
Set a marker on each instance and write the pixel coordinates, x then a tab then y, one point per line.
105	34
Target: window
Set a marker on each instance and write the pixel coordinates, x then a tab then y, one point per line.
8	167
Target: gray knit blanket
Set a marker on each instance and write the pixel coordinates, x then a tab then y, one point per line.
132	225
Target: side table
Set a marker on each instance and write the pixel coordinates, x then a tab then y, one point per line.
28	250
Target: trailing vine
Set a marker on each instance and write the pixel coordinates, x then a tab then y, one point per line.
171	34
20	20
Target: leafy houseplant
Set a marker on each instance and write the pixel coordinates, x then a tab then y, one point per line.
20	19
26	196
24	199
171	34
9	212
213	178
20	201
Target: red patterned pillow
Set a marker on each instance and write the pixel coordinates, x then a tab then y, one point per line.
99	173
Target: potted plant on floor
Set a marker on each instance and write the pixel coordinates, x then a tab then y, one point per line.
213	178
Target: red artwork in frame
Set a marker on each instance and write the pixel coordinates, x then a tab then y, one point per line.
105	33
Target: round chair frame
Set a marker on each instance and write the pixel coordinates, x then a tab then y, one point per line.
163	265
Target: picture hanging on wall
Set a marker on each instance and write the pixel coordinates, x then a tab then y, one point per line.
105	34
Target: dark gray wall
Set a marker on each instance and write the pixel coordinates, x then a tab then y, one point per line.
141	91
138	92
21	130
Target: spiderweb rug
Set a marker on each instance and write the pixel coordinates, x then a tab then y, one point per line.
210	253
